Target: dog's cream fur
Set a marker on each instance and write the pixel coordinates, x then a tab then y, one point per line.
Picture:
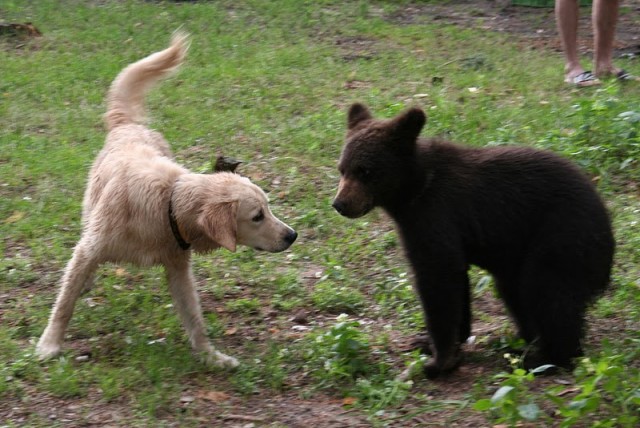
126	209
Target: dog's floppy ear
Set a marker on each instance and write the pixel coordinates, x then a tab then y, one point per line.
357	113
220	224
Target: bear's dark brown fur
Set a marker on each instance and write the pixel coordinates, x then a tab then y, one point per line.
529	217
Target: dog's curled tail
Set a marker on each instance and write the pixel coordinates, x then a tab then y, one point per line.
125	100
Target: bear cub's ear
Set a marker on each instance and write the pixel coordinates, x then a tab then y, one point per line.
409	123
357	113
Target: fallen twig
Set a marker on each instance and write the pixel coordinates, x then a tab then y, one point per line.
244	418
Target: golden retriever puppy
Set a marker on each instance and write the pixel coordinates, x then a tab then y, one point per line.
141	207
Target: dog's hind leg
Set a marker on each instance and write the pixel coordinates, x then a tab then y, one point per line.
78	273
185	298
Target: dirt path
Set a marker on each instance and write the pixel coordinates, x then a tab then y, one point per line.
536	26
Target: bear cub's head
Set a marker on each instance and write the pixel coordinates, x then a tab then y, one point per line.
378	160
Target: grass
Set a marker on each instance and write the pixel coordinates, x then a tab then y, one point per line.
269	83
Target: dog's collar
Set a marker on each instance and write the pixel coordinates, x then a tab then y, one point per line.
174	226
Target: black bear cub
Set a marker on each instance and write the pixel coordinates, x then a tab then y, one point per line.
529	217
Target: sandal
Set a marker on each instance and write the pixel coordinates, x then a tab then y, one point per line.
623	76
584	79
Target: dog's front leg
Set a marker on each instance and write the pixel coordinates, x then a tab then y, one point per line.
185	298
78	273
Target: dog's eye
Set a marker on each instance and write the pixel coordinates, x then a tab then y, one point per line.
258	217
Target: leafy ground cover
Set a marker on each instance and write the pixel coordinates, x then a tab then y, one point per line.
323	330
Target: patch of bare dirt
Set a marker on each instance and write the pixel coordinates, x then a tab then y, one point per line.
534	25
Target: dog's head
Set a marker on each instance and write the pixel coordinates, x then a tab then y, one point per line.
375	159
241	216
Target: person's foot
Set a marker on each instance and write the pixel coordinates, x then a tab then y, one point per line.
582	79
618	73
624	76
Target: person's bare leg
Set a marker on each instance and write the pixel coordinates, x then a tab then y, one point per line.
567	14
604	17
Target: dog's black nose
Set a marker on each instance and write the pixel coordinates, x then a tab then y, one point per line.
291	237
338	206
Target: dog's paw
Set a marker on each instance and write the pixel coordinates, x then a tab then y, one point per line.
218	359
46	350
226	361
